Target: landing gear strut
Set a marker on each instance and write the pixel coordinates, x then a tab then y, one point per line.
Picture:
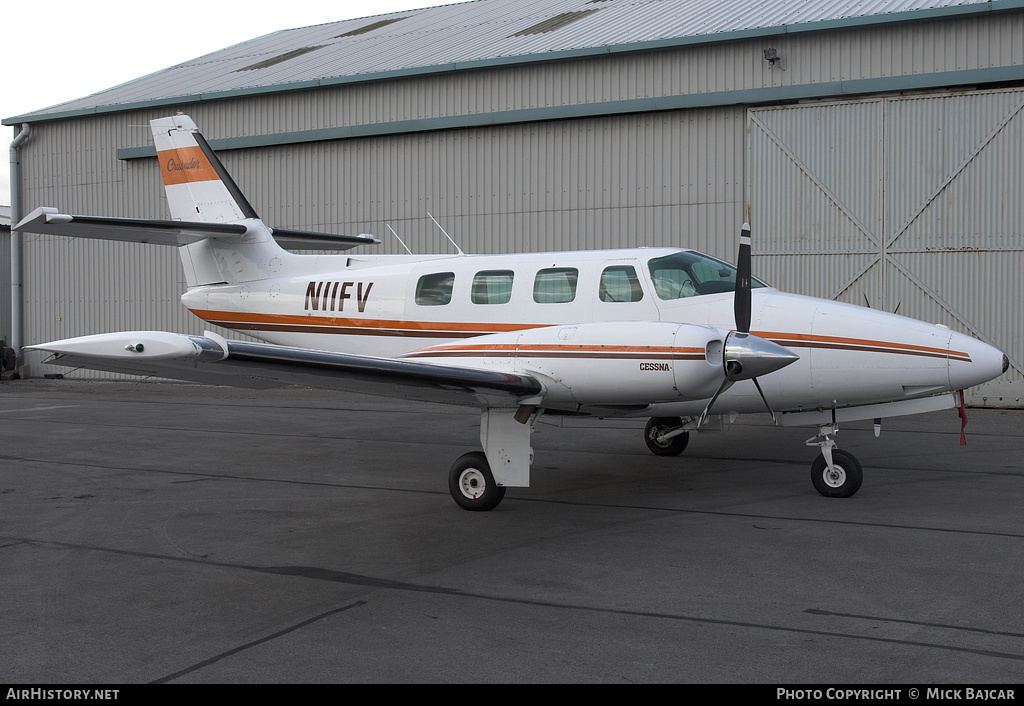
835	473
477	480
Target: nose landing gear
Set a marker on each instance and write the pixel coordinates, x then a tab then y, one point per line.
835	473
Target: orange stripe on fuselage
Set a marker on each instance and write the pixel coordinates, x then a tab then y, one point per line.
185	165
364	327
801	340
444	329
561	350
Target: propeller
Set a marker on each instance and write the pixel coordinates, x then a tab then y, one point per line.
745	357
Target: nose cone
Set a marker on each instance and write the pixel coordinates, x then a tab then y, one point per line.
973	362
747	356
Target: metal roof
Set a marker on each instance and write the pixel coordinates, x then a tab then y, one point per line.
489	33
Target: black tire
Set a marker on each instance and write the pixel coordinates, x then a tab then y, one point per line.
660	425
843	482
472	485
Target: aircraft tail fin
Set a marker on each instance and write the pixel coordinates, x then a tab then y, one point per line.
199	189
197	185
219	236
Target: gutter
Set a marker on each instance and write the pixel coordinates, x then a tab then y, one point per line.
17	300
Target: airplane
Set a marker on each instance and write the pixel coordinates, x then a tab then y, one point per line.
667	334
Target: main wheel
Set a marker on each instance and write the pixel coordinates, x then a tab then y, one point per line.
662	425
842	481
471	484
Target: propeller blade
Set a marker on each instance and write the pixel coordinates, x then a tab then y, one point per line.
741	301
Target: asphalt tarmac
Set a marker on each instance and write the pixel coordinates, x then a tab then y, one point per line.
188	534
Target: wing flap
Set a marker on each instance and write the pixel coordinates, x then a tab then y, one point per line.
213	360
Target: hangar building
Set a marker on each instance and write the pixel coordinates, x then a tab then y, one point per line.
875	146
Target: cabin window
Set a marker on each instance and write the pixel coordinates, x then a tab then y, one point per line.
688	274
619	283
492	287
435	289
555	285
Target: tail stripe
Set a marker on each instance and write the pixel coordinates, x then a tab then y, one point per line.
185	165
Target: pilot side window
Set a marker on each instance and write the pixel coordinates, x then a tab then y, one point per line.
689	274
619	283
555	285
435	289
492	287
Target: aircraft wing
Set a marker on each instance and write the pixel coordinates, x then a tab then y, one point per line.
214	360
49	221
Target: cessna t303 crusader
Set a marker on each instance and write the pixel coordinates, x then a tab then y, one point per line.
666	334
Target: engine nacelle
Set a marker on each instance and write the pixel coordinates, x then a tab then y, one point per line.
622	363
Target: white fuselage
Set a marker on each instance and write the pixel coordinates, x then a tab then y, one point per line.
393	306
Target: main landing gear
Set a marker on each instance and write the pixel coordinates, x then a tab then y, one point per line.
665	436
472	484
477	480
834	474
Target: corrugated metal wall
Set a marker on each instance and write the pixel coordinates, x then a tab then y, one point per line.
665	178
908	203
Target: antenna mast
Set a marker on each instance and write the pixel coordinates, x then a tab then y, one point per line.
399	239
446	234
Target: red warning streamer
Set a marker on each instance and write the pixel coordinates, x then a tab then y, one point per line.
963	419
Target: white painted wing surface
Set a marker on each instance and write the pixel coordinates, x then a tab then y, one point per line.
213	360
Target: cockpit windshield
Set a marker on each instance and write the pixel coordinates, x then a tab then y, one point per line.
691	274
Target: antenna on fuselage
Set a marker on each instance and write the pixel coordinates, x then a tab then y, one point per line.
399	239
446	234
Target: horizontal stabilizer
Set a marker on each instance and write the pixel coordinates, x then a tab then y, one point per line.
49	221
304	240
214	360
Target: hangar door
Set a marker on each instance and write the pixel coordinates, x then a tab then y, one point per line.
908	204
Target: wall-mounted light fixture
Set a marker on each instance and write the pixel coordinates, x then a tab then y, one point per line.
772	56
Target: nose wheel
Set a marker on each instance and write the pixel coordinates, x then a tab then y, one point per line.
835	473
840	480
